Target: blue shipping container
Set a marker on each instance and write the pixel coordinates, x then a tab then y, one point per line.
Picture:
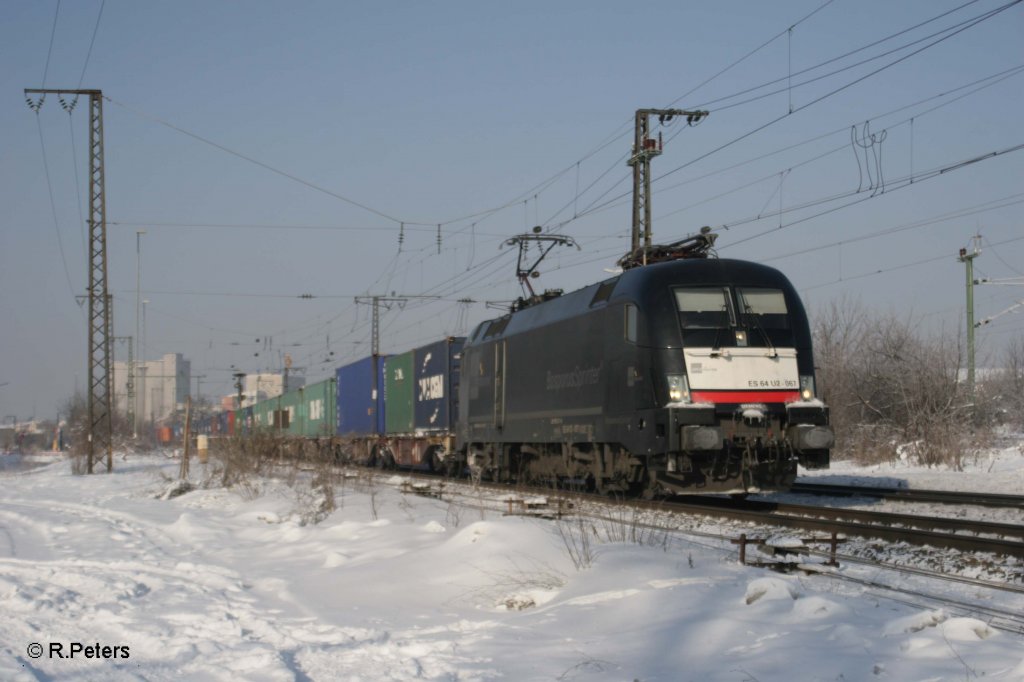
436	370
360	400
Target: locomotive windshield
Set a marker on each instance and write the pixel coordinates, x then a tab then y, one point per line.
719	316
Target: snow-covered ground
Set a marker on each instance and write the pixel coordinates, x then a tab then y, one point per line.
229	585
998	470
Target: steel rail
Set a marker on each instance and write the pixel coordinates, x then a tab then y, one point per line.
935	539
912	494
871	524
932	523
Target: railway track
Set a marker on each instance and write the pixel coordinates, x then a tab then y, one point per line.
912	495
958	534
963	535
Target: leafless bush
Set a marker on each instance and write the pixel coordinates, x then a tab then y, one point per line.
510	588
76	413
626	524
453	515
241	458
366	483
244	463
577	535
894	390
1004	387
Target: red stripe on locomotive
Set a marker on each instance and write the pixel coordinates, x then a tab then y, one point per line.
745	396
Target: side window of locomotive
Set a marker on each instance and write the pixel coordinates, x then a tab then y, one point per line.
604	292
631	323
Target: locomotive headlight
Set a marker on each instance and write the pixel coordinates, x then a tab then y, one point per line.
806	387
678	389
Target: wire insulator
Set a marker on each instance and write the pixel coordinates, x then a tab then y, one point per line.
439	239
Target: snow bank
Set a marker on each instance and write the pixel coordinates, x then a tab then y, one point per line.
210	586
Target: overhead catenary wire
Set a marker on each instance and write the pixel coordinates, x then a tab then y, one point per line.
970	24
898	184
261	164
53	210
982	83
536	190
750	54
395	262
49	51
92	42
625	128
715	103
898	267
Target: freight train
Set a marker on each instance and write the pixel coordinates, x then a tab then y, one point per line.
689	375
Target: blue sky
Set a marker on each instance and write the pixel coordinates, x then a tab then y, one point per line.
425	113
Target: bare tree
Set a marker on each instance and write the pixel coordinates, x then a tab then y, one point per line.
893	388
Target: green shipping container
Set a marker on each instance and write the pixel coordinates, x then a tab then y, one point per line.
398	394
315	416
288	417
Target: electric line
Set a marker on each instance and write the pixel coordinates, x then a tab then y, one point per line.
1001	260
261	164
900	183
95	30
956	215
256	226
748	55
78	186
992	80
485	213
49	51
624	129
970	24
898	267
712	103
53	209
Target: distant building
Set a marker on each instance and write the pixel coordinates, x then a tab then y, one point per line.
161	386
259	387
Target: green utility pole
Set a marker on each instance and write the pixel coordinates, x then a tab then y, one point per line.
968	259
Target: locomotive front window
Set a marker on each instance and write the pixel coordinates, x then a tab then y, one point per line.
741	316
765	315
707	308
706	316
768	304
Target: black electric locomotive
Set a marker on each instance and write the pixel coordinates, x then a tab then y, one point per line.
692	375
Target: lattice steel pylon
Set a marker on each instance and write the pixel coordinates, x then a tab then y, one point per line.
100	436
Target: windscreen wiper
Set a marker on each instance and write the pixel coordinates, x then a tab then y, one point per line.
752	321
